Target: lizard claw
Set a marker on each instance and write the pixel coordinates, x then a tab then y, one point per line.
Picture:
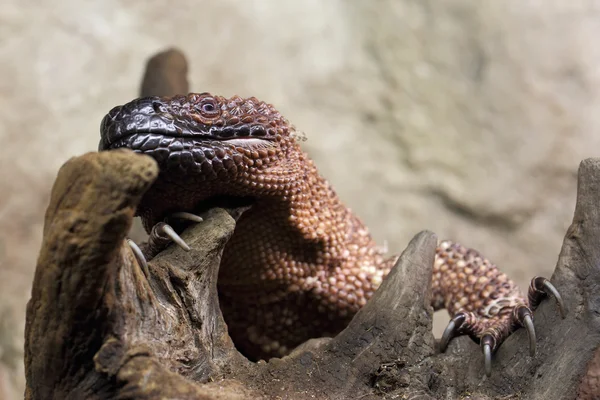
186	215
451	330
139	256
165	231
163	234
541	287
524	317
487	344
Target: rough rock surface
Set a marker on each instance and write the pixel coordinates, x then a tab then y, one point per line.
473	116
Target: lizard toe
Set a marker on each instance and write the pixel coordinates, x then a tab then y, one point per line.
452	329
166	232
139	256
523	316
540	288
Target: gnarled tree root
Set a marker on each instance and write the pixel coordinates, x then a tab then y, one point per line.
97	328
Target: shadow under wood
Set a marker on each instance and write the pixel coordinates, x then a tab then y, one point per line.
98	328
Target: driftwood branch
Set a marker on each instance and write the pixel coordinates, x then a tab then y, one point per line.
99	328
165	75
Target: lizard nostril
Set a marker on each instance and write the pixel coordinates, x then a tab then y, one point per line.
157	107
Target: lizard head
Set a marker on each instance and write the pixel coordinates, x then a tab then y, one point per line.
201	134
207	146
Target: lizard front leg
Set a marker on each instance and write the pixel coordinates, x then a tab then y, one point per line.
483	302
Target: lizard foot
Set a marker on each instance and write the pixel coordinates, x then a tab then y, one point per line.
490	332
161	236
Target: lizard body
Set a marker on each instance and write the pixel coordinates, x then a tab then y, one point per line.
299	264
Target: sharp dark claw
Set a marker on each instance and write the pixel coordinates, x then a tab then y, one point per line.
522	315
487	358
453	326
448	333
139	256
170	232
549	288
487	344
187	215
541	286
528	324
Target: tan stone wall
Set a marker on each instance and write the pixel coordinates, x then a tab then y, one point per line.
465	117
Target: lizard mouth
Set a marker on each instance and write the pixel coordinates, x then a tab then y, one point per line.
205	155
148	141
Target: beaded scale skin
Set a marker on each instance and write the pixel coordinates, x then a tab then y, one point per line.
299	264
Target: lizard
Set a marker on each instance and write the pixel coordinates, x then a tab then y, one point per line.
299	264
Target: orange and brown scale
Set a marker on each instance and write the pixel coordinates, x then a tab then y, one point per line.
299	264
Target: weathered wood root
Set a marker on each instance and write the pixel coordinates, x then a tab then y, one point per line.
165	75
97	328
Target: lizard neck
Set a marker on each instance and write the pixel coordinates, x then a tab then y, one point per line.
308	233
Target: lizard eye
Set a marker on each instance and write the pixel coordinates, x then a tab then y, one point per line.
208	107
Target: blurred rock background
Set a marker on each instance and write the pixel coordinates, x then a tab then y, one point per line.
465	117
